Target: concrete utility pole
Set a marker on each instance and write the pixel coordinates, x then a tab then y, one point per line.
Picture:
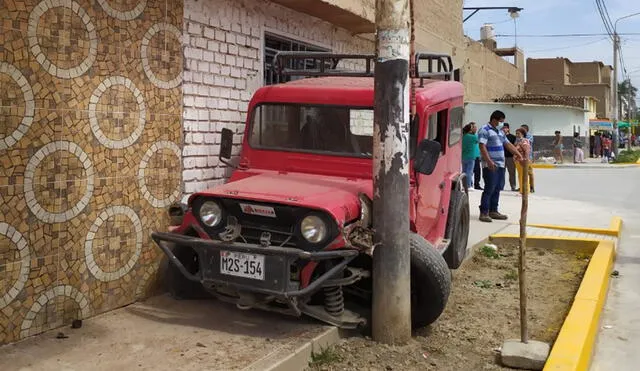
616	45
629	105
391	311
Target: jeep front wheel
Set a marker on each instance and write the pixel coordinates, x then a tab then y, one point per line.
430	282
457	228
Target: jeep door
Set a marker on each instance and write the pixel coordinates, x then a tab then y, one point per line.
429	208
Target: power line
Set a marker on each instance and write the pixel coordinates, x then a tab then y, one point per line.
605	17
567	47
572	35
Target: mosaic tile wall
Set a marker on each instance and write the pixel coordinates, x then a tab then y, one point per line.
90	138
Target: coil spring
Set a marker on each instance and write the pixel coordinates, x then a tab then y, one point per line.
334	300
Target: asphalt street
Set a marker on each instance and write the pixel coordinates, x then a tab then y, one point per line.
616	191
618	188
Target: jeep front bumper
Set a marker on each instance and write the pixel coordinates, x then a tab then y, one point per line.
277	265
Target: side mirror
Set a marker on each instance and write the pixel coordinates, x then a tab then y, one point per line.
226	143
427	156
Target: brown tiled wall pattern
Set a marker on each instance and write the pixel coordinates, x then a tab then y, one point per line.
90	138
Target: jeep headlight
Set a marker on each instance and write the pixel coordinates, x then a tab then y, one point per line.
313	229
210	214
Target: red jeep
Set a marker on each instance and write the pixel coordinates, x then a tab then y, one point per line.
291	229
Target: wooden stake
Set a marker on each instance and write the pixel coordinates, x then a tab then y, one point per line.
522	269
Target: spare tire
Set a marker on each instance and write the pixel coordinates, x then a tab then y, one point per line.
430	282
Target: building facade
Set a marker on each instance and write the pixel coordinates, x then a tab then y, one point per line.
560	76
112	110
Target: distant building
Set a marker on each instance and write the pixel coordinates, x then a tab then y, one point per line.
560	76
589	104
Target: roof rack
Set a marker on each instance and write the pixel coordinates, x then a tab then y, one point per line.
325	64
444	66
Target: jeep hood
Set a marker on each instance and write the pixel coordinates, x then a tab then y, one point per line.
335	195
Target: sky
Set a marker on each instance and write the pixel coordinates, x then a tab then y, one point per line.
563	17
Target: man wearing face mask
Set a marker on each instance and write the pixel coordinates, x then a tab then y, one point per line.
493	143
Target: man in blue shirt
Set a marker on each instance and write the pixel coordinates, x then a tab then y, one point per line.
493	142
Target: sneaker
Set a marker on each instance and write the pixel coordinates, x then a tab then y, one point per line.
485	218
496	215
478	188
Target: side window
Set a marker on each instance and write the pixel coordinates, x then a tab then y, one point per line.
456	117
437	124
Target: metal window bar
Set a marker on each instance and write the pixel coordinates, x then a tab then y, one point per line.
274	44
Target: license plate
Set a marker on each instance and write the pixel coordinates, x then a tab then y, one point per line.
242	265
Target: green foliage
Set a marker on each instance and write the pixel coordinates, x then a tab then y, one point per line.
483	284
324	357
627	157
488	252
511	275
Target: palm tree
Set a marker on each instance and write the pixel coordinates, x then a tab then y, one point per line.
626	89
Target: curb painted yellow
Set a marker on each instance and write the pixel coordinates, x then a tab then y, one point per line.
616	225
543	166
576	244
573	348
615	228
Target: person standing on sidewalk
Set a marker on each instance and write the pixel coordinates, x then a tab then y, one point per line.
558	147
578	153
606	148
524	147
477	172
508	156
470	151
529	137
492	144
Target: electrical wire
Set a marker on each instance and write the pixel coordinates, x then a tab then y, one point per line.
571	35
568	47
606	21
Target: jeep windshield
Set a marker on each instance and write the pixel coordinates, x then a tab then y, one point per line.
332	130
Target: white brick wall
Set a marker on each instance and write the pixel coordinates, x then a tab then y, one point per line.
223	67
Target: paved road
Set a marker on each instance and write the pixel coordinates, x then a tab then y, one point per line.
612	186
619	191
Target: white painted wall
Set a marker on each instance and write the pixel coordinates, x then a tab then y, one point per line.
542	120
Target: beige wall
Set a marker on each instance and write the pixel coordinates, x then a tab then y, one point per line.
547	71
439	29
599	91
487	76
585	73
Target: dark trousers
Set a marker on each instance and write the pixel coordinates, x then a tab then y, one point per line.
511	168
493	183
476	173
